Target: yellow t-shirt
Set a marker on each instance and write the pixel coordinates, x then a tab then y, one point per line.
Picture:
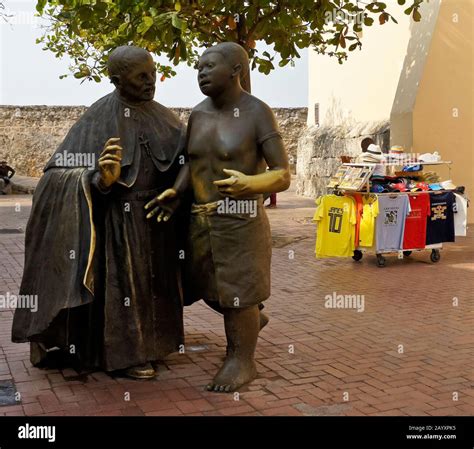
370	211
336	219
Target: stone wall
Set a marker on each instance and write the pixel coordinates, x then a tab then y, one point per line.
292	123
320	149
30	134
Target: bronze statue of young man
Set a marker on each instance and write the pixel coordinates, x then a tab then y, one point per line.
105	276
230	133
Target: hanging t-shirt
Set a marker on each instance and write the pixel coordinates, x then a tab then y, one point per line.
391	222
370	210
358	210
415	223
336	219
460	215
440	224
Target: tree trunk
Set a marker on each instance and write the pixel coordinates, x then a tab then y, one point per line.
245	82
242	39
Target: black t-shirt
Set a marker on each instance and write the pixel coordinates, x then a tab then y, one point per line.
440	224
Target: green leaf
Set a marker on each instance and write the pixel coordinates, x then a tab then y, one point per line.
148	21
301	44
368	21
40	5
85	13
123	27
145	25
416	15
176	21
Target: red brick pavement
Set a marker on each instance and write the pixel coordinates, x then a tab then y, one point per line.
311	360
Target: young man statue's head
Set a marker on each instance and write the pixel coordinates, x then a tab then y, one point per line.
221	67
133	72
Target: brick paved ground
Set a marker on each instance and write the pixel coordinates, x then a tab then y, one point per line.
343	363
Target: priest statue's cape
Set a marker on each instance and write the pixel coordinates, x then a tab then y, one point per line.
106	278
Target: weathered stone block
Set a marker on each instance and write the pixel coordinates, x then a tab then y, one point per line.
320	149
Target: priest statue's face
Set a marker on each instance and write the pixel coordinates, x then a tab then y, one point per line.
137	83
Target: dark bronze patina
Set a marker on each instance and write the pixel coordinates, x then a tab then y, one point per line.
105	276
232	138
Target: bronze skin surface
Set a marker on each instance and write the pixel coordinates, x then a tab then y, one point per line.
232	138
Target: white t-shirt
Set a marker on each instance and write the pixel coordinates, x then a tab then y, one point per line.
390	222
460	215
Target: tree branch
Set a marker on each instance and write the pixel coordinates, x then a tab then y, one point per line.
263	18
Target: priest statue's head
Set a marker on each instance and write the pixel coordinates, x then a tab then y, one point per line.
133	72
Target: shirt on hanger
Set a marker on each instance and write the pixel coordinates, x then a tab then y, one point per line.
460	215
370	210
391	222
336	219
359	211
415	223
440	223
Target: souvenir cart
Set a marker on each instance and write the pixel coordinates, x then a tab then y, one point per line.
356	179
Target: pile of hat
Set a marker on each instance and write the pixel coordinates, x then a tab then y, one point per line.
430	177
408	185
396	152
373	154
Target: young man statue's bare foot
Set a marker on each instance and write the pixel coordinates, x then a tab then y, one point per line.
241	327
262	317
232	139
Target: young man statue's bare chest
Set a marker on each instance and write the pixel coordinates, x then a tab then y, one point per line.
219	140
222	136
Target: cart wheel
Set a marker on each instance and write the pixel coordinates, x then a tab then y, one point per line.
380	261
407	253
357	255
435	255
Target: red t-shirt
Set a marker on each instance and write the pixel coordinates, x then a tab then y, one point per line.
415	223
359	210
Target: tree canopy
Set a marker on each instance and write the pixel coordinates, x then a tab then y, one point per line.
87	30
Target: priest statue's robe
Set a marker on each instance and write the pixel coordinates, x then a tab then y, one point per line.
106	278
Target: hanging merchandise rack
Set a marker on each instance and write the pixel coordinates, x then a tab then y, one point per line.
363	188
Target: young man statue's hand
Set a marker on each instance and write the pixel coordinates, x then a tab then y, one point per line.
236	185
165	204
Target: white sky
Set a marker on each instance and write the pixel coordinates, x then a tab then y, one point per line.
30	76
